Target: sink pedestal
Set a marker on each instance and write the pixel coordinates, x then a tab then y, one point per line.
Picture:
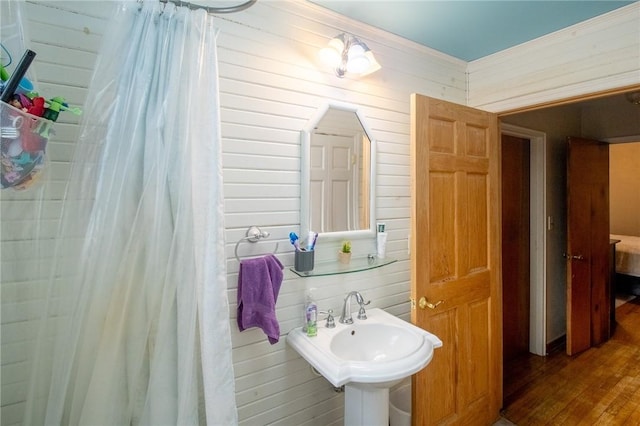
365	405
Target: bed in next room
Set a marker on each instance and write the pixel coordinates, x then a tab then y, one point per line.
627	278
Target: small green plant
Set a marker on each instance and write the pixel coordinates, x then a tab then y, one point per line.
346	246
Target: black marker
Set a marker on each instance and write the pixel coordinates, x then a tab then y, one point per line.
17	75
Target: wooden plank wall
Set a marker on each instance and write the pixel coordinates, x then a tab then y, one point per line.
596	55
270	85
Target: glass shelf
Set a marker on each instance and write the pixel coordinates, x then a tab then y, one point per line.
337	268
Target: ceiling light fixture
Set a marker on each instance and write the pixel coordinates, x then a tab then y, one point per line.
346	54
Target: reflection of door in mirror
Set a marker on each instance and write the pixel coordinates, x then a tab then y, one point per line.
338	200
339	171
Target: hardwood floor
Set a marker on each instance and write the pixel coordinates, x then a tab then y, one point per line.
599	386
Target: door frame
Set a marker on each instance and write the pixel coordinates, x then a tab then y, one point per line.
538	234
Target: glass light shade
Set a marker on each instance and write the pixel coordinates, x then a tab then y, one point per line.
373	64
358	65
329	56
358	62
332	54
355	50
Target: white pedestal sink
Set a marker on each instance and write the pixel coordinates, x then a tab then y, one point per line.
368	357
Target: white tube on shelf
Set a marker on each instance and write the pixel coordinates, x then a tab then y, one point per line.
381	245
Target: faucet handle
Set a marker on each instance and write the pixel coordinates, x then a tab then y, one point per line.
330	321
360	299
362	314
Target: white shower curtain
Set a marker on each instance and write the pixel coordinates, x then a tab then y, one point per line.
136	325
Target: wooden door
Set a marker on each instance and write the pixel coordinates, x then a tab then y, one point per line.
588	298
455	249
515	247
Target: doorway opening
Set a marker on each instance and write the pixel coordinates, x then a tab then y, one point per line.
537	234
515	247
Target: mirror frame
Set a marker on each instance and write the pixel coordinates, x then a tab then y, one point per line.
305	174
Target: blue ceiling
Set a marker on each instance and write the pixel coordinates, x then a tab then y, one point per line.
468	29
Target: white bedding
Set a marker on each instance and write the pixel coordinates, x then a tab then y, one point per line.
627	255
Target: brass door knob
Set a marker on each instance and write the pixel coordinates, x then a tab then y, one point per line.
424	303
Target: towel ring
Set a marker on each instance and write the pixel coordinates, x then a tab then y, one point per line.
253	235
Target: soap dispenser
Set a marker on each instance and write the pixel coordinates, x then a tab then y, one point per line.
311	316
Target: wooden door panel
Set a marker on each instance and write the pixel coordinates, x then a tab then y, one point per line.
455	247
442	404
451	163
476	143
459	374
600	290
477	221
588	292
479	350
462	291
579	278
442	189
441	134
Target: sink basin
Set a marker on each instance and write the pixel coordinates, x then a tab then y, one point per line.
374	343
380	350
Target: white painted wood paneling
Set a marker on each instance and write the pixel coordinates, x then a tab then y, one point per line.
596	55
270	86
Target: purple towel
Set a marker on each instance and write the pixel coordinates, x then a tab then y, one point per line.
259	282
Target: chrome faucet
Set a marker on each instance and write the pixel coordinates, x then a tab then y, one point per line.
345	318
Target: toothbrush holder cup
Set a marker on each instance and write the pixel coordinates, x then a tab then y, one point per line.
303	261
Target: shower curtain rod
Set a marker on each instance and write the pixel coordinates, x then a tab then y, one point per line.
209	9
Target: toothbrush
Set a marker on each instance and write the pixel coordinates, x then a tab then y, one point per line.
313	244
310	240
293	237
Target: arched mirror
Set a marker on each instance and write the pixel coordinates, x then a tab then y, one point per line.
338	174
